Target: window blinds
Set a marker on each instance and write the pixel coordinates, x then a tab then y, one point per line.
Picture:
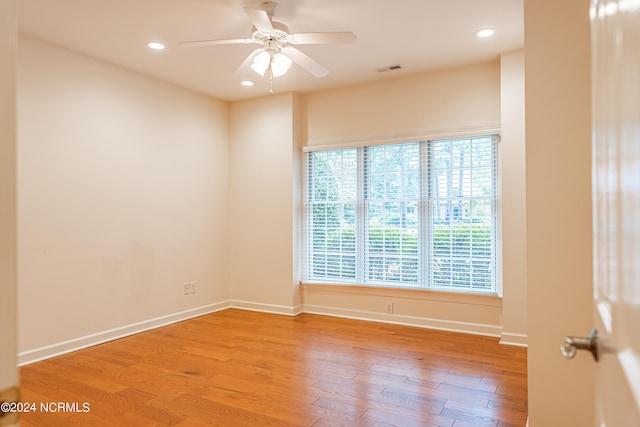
418	214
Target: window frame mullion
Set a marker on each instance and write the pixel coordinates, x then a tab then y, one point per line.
425	247
362	213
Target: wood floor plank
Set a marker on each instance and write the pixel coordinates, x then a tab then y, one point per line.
241	368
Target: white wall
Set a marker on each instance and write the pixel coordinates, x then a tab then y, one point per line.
441	101
558	210
264	185
513	200
122	184
8	282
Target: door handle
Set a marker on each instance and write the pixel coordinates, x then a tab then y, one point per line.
573	344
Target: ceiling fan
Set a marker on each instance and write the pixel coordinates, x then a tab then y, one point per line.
275	55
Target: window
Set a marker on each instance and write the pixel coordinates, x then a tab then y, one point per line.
418	214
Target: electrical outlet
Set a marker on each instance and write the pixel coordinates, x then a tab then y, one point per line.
187	288
389	307
193	287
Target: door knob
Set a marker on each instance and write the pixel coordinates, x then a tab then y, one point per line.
573	344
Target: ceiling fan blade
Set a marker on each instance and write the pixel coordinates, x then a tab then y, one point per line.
216	42
322	38
305	61
245	68
260	19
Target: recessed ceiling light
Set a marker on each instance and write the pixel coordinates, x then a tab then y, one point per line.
247	83
483	34
155	45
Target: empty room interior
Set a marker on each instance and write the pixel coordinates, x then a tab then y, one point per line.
388	233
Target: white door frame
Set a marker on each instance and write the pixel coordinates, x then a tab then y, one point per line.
8	280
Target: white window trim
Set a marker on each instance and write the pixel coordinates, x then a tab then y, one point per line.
405	138
400	137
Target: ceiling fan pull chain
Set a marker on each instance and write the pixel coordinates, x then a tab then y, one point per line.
270	77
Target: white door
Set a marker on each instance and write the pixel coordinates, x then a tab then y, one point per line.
615	30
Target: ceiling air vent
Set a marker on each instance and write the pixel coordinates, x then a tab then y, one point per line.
389	68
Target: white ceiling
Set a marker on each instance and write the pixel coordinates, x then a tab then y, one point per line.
421	35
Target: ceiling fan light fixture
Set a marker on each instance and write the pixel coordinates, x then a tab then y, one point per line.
280	64
261	62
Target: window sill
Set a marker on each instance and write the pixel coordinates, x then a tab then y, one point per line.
461	297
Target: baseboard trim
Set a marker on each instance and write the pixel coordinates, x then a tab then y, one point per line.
57	349
420	322
265	308
519	340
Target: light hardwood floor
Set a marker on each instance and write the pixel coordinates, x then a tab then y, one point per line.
241	368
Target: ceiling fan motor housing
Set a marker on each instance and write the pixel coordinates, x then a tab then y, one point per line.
280	33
